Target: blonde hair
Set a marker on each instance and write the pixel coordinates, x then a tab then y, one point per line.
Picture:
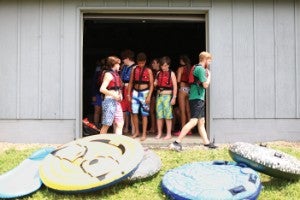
204	55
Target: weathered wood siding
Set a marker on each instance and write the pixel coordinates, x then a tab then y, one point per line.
254	94
255	87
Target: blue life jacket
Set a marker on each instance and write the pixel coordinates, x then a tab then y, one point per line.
125	74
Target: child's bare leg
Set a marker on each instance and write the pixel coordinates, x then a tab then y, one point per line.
145	123
169	129
135	119
159	128
104	129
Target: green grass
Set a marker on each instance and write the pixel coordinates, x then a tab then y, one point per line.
150	189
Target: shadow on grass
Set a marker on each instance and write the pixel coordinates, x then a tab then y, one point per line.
277	184
115	189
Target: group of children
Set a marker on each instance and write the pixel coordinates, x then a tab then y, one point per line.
135	90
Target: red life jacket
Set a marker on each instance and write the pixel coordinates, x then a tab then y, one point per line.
185	75
164	81
141	75
193	79
115	83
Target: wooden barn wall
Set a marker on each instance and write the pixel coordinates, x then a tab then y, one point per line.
254	94
255	87
40	70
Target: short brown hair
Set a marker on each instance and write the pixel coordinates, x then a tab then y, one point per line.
127	54
204	55
141	57
165	59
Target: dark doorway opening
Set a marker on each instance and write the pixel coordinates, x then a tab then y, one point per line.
103	37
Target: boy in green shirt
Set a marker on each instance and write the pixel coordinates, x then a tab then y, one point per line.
197	103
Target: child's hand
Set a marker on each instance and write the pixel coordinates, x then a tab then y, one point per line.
148	99
173	101
129	98
118	97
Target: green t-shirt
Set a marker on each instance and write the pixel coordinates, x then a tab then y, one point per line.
196	91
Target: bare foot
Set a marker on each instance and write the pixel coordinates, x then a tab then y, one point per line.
125	131
151	131
167	137
143	138
135	135
158	137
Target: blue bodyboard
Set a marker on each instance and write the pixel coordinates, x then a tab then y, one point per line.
211	180
23	179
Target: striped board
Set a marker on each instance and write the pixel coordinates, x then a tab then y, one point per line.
91	163
23	179
211	180
266	160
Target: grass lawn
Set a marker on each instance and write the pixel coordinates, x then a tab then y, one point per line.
150	189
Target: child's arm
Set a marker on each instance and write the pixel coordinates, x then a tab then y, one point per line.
174	82
207	82
103	89
151	86
130	85
179	73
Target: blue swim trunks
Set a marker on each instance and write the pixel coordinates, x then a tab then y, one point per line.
138	102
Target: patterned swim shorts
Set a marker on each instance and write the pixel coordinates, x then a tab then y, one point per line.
111	112
164	107
138	102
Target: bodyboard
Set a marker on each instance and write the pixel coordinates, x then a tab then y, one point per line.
211	180
23	179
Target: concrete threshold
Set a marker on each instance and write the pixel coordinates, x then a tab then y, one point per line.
188	141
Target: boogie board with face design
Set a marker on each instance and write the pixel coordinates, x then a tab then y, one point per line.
91	163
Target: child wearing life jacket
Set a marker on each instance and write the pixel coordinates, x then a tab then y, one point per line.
166	86
155	69
183	91
201	73
128	61
141	85
111	87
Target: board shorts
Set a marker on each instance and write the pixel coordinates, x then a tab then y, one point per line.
111	112
126	105
98	101
138	102
197	107
164	109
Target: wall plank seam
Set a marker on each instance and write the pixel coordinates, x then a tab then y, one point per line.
18	90
254	59
61	109
40	57
275	58
296	58
232	60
